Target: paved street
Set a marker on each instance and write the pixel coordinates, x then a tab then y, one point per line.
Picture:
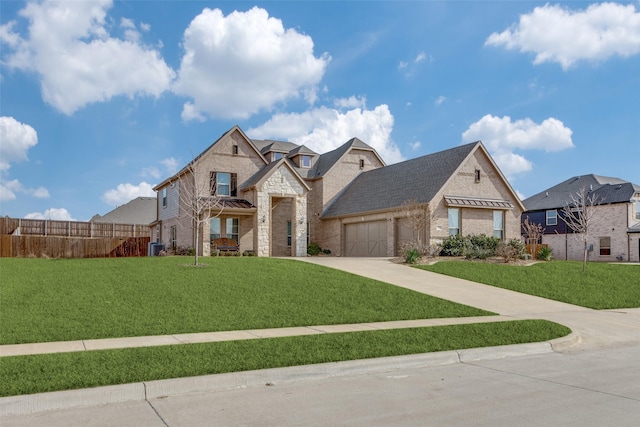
590	379
584	388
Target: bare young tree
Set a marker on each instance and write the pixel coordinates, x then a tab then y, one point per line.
533	233
197	202
417	215
581	216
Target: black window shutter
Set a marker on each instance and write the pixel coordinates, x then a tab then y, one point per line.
234	185
212	183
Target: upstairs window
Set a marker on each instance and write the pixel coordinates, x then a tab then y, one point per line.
552	217
234	150
277	156
164	197
223	184
637	209
361	163
305	161
477	175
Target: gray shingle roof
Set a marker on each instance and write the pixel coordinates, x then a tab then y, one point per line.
141	210
253	180
326	161
607	190
301	149
391	186
268	145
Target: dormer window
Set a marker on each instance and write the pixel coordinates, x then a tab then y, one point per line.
305	161
277	156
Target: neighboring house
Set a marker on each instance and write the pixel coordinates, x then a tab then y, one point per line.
616	232
278	196
141	210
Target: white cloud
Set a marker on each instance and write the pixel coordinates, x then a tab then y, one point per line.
9	190
246	62
15	140
351	102
502	137
126	192
150	171
440	100
557	34
59	214
170	164
410	68
415	145
170	167
69	47
324	129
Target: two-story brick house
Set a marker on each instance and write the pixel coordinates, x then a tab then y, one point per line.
616	232
276	197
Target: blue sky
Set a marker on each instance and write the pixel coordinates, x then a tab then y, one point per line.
100	100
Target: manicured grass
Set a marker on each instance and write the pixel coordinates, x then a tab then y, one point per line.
74	299
601	286
64	371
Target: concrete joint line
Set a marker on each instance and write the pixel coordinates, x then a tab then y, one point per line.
157	413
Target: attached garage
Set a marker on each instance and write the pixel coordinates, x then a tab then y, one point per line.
366	239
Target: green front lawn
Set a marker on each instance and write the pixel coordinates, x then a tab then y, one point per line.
64	371
75	299
601	286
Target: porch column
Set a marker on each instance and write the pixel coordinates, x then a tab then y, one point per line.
299	222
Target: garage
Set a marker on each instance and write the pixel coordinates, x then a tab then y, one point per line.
366	239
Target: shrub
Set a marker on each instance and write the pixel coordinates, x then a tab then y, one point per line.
313	249
248	252
184	250
326	251
544	254
452	245
477	246
511	250
412	256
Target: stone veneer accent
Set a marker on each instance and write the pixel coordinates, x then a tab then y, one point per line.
281	183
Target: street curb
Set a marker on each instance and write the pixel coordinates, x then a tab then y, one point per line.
99	396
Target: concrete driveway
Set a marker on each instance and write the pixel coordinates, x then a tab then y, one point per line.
592	328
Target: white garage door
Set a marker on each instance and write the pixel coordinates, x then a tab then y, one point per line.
366	239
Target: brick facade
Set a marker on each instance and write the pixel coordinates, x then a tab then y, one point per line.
279	198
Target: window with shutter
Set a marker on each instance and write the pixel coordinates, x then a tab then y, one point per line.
212	183
234	185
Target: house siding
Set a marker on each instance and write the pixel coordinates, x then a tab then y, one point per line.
325	190
612	223
473	220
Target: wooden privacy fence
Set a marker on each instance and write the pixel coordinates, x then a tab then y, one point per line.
533	248
71	239
46	227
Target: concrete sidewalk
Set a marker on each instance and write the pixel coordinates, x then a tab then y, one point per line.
204	337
